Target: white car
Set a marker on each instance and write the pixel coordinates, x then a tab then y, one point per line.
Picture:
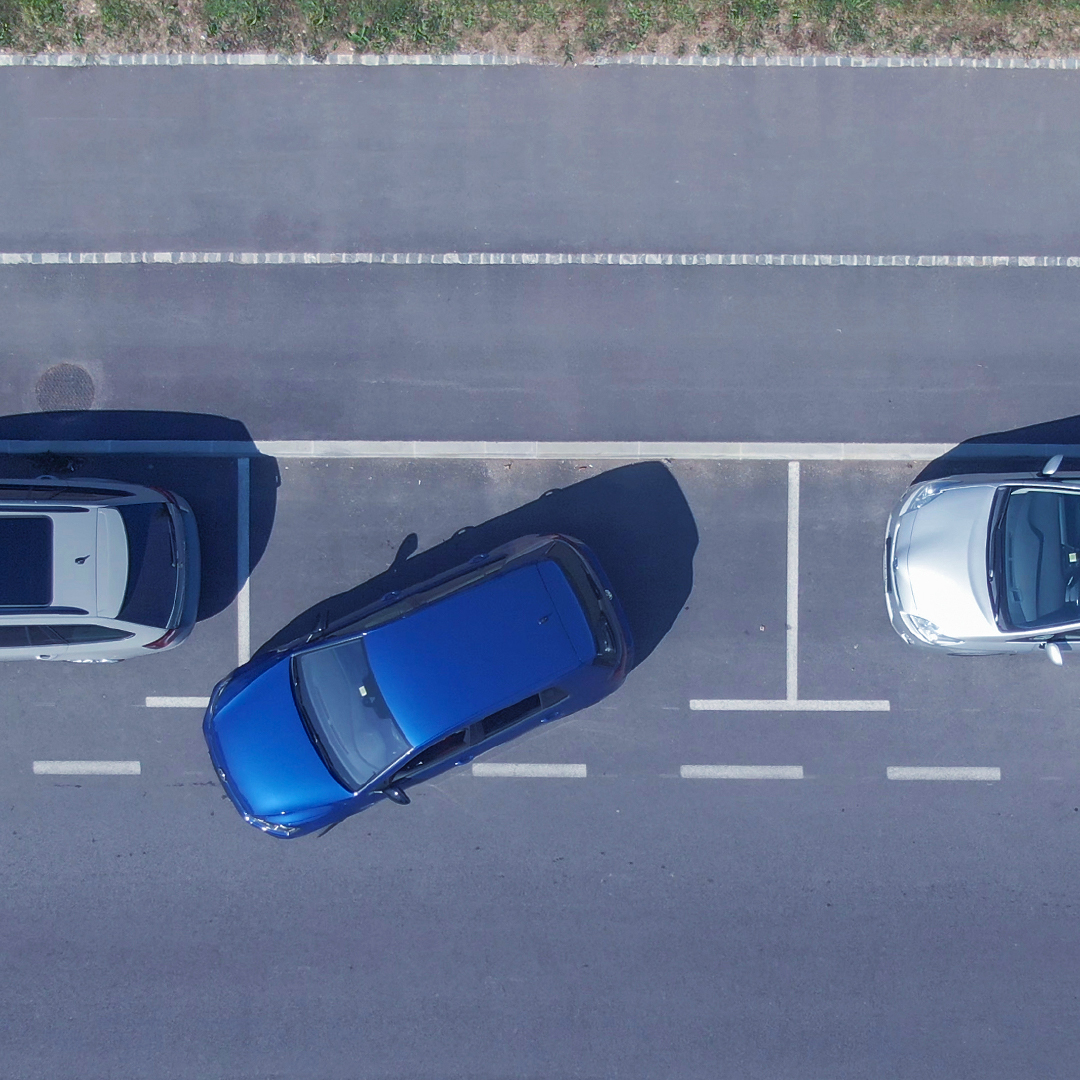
987	564
94	571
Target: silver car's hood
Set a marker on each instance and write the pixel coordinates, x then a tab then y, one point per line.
940	562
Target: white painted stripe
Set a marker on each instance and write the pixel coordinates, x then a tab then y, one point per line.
87	768
530	450
741	772
937	772
793	581
177	702
814	60
493	768
243	556
531	258
778	705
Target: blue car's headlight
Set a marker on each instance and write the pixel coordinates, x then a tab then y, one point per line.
275	828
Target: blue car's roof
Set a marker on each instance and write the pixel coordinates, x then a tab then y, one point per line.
479	650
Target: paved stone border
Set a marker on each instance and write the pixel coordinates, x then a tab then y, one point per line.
1057	63
515	258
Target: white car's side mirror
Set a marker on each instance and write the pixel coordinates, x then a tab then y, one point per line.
1053	651
1052	465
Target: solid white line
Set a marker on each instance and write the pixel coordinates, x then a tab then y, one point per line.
741	772
529	450
778	705
492	768
793	581
802	60
528	258
243	557
177	702
936	772
87	768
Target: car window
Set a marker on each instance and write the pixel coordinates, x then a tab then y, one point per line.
26	565
152	575
1040	558
14	637
346	716
446	747
504	718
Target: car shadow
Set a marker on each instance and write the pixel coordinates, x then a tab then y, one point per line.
201	464
1024	449
635	519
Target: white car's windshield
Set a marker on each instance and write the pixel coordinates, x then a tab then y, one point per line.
349	721
1039	557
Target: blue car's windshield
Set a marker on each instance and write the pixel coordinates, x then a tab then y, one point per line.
349	721
1039	555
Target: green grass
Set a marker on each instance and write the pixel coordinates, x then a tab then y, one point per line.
556	29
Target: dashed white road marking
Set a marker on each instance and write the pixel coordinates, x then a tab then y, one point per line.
498	768
532	258
783	705
939	772
87	768
177	702
741	772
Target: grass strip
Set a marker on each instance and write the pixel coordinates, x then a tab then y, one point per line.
551	29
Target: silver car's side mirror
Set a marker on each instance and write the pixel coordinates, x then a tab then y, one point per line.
1052	465
1053	651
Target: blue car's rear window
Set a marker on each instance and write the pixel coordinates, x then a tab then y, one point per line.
26	557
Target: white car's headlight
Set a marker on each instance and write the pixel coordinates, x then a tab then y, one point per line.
921	496
928	632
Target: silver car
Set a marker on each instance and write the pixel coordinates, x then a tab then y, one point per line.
94	571
977	565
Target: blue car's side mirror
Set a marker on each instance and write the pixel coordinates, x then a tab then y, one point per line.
395	794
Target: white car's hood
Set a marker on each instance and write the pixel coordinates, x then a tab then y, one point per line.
940	562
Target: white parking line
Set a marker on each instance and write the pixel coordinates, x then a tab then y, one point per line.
492	768
741	772
793	582
531	451
782	705
791	703
938	772
243	558
87	768
177	702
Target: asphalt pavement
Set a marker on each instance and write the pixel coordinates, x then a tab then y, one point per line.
654	915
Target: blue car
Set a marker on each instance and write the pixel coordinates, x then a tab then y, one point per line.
421	681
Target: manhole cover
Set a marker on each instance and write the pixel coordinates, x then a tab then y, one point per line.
65	386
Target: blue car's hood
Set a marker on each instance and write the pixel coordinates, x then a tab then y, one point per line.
268	759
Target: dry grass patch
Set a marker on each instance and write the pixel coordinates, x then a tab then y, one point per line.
551	29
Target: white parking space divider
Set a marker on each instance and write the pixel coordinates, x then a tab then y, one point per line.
498	768
791	702
741	772
177	702
941	772
87	768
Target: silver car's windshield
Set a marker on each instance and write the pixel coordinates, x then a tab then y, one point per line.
1039	558
346	715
